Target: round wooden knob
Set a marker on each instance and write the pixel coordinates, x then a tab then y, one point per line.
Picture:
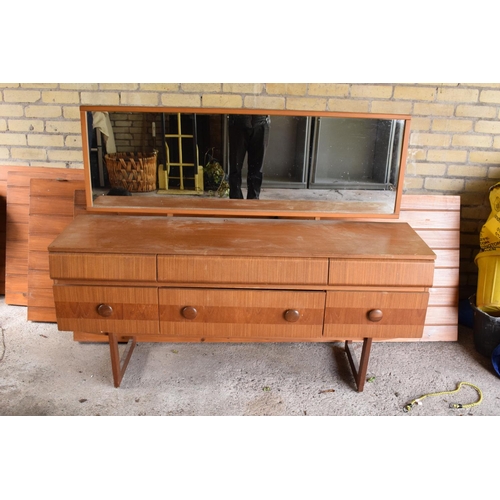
292	315
375	315
189	312
104	310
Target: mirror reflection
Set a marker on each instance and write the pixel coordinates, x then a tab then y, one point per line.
161	158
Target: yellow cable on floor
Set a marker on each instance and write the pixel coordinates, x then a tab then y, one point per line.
418	401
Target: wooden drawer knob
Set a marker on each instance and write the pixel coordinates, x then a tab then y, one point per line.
292	315
104	310
189	312
375	315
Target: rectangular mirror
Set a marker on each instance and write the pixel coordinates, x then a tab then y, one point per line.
241	162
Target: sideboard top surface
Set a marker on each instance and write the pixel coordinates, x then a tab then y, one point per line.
243	237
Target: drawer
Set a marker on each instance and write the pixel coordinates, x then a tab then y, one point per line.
114	267
95	309
187	312
381	272
242	270
354	315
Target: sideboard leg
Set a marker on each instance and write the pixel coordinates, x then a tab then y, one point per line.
119	371
359	370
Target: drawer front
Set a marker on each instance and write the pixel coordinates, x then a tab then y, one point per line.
242	270
95	309
381	273
114	267
187	312
354	315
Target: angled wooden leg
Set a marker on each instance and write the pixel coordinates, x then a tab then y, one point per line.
359	370
119	371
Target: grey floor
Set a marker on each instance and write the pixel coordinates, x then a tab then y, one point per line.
44	372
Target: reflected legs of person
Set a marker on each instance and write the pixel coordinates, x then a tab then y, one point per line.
247	134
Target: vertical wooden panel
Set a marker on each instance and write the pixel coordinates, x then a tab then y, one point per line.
51	209
18	200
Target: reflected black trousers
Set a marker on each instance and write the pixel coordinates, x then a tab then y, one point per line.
247	135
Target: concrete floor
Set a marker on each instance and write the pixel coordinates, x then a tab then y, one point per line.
44	372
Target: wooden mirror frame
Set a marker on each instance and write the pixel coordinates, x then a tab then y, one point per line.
181	206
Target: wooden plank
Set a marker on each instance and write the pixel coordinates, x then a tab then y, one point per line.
17	225
411	202
51	210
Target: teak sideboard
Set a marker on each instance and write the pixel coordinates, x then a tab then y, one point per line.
182	279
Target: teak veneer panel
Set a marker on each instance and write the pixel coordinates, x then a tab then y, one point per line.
240	270
346	314
135	309
17	224
241	313
380	273
241	238
103	267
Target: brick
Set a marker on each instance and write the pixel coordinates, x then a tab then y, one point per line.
286	89
181	100
496	142
63	127
73	141
444	185
45	140
475	141
394	107
487	127
71	112
476	111
447	155
484	156
118	86
467	171
494	172
201	87
79	86
243	88
140	98
10	139
476	185
100	98
39	85
264	102
422	139
21	95
65	155
420	124
60	97
373	91
490	96
221	101
4	153
160	87
415	93
47	111
3	125
451	125
26	125
9	85
29	154
306	103
423	169
417	154
458	95
10	110
348	105
328	89
432	109
413	183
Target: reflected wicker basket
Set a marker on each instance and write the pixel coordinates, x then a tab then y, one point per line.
136	172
